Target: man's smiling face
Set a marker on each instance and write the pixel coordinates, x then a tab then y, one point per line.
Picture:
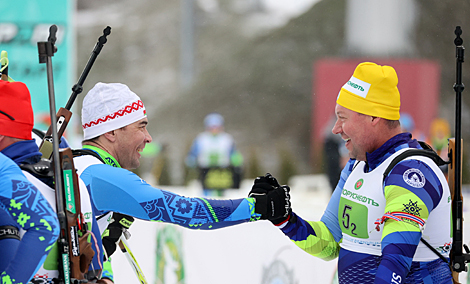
354	128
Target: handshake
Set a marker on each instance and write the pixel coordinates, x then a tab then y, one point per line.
272	200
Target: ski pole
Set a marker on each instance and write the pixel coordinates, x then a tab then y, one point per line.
132	260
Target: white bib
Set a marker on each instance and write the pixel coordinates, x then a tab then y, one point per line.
363	202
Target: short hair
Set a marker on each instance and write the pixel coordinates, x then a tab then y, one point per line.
94	139
84	142
392	124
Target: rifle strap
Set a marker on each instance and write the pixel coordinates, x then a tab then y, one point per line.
435	251
427	151
41	169
84	152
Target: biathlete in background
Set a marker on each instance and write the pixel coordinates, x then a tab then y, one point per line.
214	155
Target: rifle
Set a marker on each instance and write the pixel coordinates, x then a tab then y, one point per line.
458	258
67	194
64	114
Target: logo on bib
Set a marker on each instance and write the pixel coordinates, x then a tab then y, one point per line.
446	247
359	184
414	177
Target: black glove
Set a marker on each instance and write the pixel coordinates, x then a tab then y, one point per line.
272	199
263	184
111	235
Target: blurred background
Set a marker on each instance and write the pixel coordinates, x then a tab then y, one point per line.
271	68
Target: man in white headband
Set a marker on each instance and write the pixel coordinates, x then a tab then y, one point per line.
374	221
115	132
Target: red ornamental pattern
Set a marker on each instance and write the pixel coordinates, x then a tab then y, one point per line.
125	110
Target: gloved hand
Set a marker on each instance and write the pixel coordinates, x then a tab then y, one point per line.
263	184
111	235
272	199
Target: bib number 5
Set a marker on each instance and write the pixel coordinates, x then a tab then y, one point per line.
347	220
353	218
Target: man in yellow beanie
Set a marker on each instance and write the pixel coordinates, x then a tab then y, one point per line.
378	218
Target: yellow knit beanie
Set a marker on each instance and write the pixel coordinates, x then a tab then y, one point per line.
372	90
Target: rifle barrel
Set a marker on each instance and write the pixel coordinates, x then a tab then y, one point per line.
46	50
459	260
78	88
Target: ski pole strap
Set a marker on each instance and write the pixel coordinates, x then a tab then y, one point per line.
9	232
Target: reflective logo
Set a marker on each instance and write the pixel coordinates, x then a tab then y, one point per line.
414	177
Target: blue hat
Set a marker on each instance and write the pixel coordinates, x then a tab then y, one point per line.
213	120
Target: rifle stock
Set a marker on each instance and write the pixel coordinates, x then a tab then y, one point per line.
63	118
452	167
452	186
75	223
